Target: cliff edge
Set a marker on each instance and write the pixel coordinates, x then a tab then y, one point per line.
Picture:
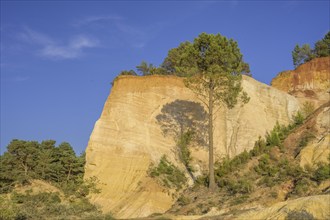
308	82
127	138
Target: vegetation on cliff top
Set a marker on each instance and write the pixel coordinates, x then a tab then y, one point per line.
212	65
305	53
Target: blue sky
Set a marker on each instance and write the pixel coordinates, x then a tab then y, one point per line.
58	58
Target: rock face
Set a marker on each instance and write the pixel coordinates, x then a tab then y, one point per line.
128	138
317	150
309	82
318	206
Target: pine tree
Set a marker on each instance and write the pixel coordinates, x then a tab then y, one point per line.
214	65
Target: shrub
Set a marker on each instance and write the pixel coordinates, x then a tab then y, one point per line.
184	200
306	137
170	175
268	181
184	153
241	186
298	119
299	215
239	200
265	168
307	108
202	180
322	172
301	187
21	216
259	147
274	194
273	138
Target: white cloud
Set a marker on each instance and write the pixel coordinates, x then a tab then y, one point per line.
30	36
51	49
96	19
72	50
133	35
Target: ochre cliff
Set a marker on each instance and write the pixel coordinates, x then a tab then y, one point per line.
308	82
127	138
318	149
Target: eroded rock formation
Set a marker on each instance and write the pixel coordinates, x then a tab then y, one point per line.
309	82
128	137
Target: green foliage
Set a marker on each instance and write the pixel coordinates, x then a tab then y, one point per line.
202	180
146	69
242	186
274	194
182	200
307	109
298	118
305	53
273	138
185	121
301	187
264	167
128	73
214	65
177	61
168	174
303	141
26	160
240	199
322	172
299	215
184	152
322	47
302	54
277	135
47	205
259	147
229	165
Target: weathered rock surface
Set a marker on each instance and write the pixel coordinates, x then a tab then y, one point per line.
317	150
309	82
318	206
127	138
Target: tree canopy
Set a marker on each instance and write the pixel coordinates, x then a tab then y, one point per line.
305	53
26	160
213	66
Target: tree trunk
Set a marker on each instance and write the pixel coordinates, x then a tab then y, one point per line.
212	185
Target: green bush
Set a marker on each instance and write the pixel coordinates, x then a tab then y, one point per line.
274	194
268	181
21	216
184	153
299	215
301	187
273	138
240	186
265	168
202	180
170	175
259	147
303	141
307	108
322	172
183	200
298	119
240	200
